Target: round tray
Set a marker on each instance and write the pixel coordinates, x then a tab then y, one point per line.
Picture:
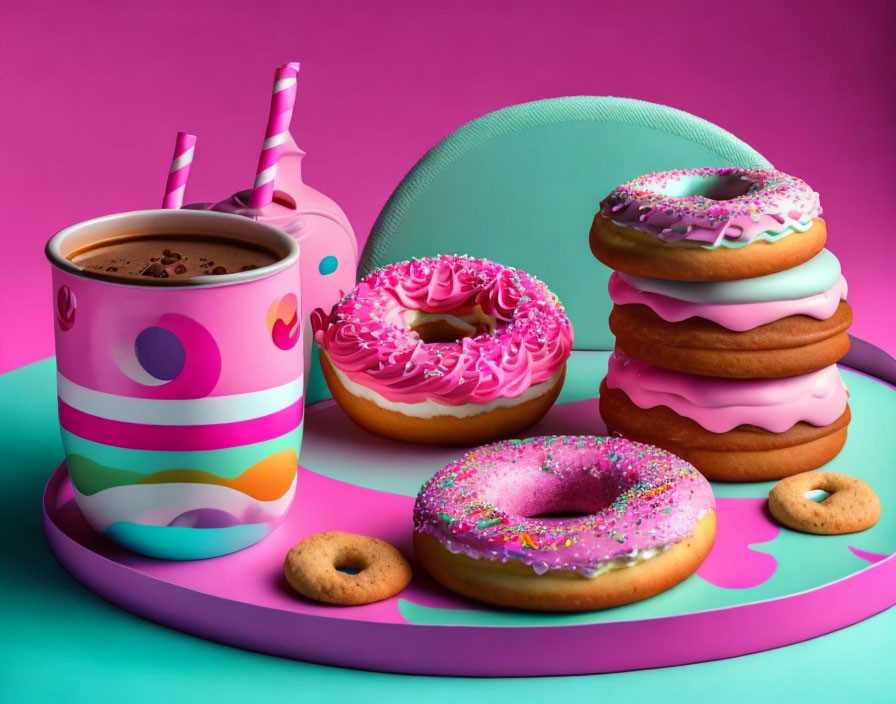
762	586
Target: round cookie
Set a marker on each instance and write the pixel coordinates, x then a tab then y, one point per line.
313	569
851	507
710	224
793	345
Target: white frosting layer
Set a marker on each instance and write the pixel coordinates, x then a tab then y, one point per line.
430	409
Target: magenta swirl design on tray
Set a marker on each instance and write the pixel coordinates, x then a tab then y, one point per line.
639	501
720	405
872	557
520	335
734	562
714	207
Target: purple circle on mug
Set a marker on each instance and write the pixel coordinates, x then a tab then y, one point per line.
160	353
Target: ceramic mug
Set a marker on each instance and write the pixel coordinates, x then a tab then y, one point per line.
180	404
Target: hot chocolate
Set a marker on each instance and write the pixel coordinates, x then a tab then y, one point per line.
173	257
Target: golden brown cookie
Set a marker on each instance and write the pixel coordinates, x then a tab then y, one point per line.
313	567
798	344
468	431
643	254
515	584
746	453
852	505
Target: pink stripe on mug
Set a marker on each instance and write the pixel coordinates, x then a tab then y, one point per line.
138	436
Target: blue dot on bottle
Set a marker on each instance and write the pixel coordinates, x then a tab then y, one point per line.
328	265
160	353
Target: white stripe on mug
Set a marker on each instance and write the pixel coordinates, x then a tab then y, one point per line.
199	411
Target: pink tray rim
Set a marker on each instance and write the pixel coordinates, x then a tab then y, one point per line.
496	651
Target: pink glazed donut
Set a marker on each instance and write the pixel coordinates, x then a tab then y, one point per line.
450	350
709	224
564	523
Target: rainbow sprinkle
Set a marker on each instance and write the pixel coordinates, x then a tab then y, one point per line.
727	206
633	501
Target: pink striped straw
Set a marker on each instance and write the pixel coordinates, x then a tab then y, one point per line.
282	102
180	170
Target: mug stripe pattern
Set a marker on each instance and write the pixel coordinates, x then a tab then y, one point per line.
214	436
177	490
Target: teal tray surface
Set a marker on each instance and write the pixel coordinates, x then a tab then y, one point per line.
65	644
764	561
519	186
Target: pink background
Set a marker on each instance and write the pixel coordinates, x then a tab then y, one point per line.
92	101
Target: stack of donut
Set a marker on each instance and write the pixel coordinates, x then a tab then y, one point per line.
729	317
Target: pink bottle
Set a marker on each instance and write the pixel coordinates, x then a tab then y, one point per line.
329	249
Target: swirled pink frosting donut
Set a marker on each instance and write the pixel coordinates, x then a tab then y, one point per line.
720	405
715	207
368	335
733	316
638	500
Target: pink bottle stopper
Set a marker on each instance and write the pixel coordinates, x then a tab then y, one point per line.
329	250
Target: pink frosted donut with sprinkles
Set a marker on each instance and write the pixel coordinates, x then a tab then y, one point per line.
448	350
564	523
709	224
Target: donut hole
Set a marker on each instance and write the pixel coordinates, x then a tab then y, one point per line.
560	515
711	186
575	502
350	561
816	495
550	497
444	330
346	569
449	327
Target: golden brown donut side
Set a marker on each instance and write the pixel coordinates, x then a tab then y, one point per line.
637	252
745	453
851	507
794	345
441	430
634	319
311	569
739	364
516	585
767	465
